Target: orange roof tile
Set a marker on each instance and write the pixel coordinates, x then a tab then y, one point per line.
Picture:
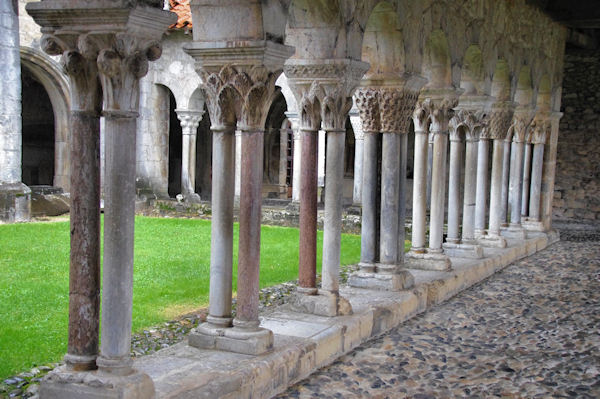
184	13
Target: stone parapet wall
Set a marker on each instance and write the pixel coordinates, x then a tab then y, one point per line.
577	188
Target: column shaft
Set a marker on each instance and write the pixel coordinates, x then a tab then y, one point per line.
119	218
438	182
526	180
308	211
358	171
537	167
390	165
84	269
188	161
238	165
221	251
250	216
333	209
454	192
516	184
482	185
296	167
496	187
402	197
468	225
368	230
506	158
419	191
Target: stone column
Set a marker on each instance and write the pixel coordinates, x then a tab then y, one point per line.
121	54
483	152
84	269
465	123
241	86
500	120
330	91
238	166
520	125
549	171
438	106
283	158
421	123
15	197
359	136
297	157
321	161
526	178
540	129
507	156
189	130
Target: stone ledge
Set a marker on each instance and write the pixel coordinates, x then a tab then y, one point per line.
304	343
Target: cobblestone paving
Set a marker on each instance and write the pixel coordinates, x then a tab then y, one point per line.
531	331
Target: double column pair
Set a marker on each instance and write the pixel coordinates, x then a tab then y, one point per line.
323	89
432	115
104	67
240	89
385	111
189	120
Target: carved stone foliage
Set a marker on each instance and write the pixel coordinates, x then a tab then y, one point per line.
540	130
520	126
189	120
468	121
367	102
385	109
501	117
327	87
436	111
243	93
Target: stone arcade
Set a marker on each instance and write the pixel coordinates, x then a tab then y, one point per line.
462	96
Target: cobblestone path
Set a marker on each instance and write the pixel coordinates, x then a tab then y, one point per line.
530	331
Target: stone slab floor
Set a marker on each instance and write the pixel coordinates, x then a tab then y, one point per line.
530	331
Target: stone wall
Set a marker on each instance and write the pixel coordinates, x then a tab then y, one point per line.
577	188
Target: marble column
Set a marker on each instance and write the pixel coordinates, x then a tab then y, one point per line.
507	156
238	167
483	153
540	129
421	124
189	129
358	157
465	125
297	157
500	120
15	197
438	108
121	55
328	90
321	153
526	177
240	87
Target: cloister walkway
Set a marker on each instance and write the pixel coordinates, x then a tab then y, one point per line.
529	331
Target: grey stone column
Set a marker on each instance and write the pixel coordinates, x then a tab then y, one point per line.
537	165
332	228
358	158
468	223
419	183
526	179
283	159
189	130
482	184
238	166
368	230
438	182
321	151
221	248
402	197
454	188
390	166
506	161
15	197
430	139
496	188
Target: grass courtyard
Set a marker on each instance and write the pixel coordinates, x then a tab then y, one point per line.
171	277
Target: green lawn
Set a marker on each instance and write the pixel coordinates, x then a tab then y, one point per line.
170	278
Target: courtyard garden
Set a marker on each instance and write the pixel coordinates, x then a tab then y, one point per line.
171	278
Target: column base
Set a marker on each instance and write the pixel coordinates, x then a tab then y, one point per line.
15	203
437	261
64	384
396	281
532	225
515	232
463	250
232	339
192	198
324	303
491	241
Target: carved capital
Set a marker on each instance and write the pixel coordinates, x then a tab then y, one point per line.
520	125
328	84
367	103
189	120
439	110
395	107
501	116
540	130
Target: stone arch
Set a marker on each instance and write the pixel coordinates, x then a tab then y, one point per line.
47	72
383	45
196	100
286	91
437	65
274	148
473	72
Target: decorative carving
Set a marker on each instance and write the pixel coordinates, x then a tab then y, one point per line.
540	130
421	116
367	102
395	107
500	120
441	111
189	120
520	125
